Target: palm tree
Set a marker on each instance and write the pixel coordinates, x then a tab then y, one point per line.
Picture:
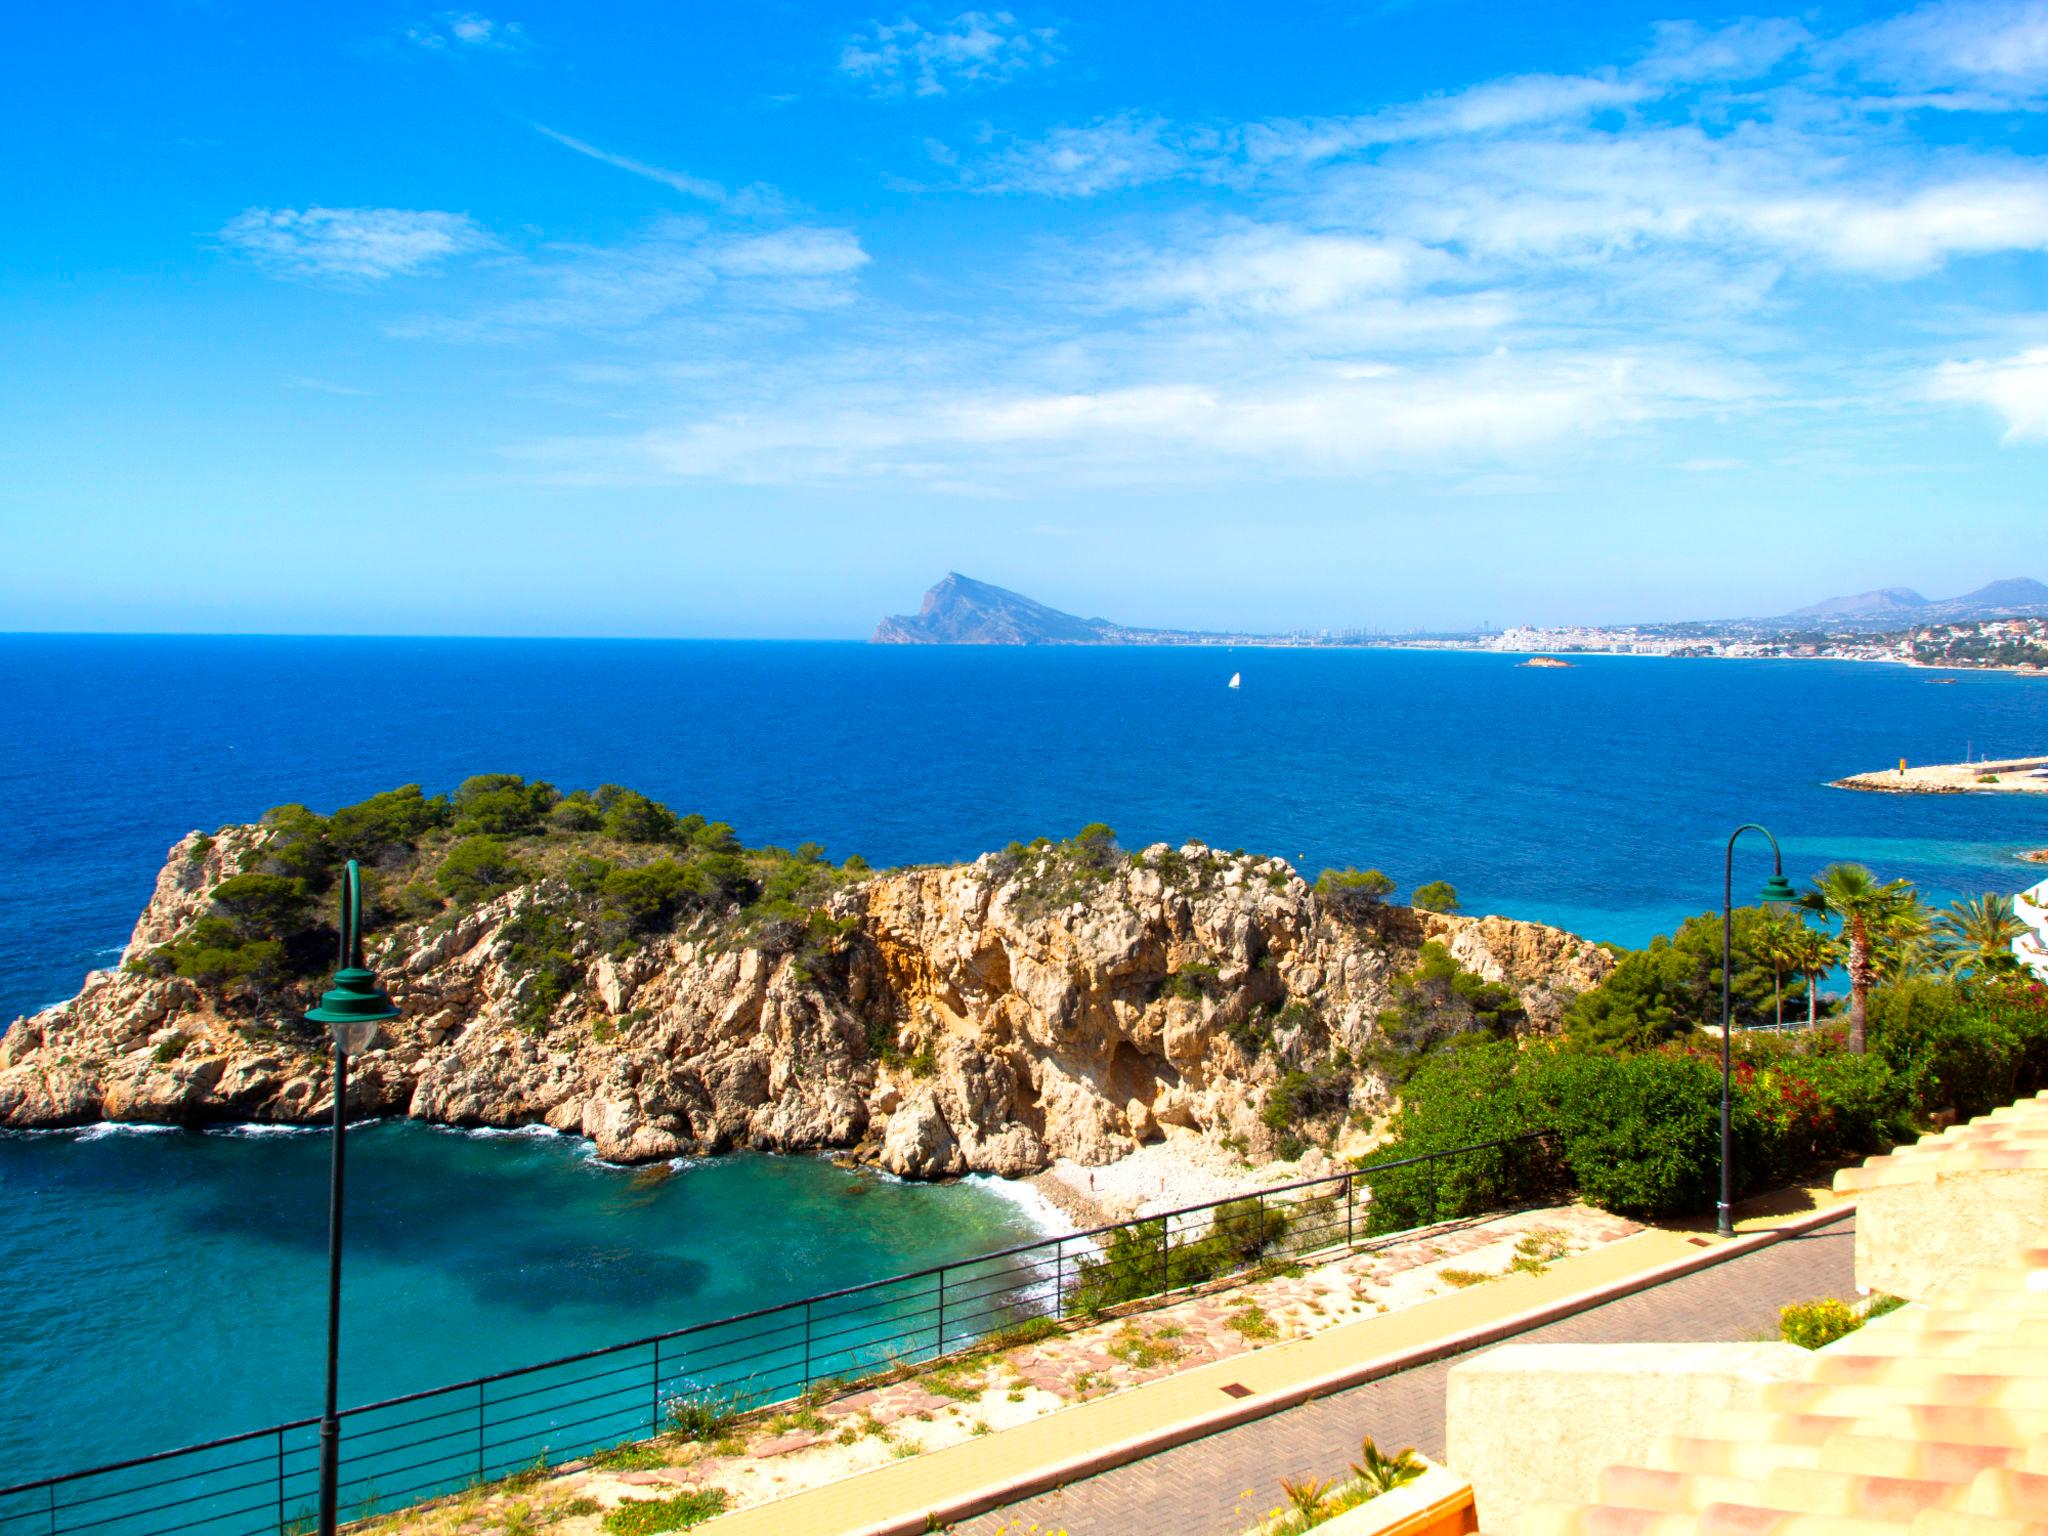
1776	942
1976	933
1814	954
1870	913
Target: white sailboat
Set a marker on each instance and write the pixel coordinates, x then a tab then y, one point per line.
1236	678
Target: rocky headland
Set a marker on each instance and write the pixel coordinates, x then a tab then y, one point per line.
1057	1000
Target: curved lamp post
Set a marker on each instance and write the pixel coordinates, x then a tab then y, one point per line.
353	1008
1776	889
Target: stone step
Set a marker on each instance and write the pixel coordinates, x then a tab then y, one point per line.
1855	1401
1940	1461
1709	1456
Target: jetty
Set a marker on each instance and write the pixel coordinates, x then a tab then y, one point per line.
2012	775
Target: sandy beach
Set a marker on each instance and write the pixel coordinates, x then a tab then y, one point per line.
1184	1169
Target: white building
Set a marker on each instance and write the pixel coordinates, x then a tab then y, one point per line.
2031	907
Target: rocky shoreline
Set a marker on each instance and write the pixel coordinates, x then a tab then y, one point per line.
1002	1016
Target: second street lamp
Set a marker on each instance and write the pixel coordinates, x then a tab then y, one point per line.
352	1008
1776	889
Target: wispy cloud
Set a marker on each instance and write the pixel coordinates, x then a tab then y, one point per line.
974	48
680	181
678	266
458	32
1480	285
352	244
2015	387
1107	155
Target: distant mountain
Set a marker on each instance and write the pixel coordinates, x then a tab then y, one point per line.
1902	607
963	611
1884	603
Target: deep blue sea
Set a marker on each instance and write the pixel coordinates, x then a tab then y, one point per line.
164	1288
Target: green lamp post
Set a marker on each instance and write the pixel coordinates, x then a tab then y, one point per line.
352	1009
1776	889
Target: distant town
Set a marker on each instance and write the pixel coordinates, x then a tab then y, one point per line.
2020	643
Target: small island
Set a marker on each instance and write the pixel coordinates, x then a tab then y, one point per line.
1544	661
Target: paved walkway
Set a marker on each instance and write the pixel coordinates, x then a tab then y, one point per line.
1198	1489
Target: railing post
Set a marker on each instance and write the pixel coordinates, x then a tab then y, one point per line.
1430	1164
654	1396
53	1509
807	1344
1059	1279
1350	1207
1165	1269
942	1314
479	1432
280	1480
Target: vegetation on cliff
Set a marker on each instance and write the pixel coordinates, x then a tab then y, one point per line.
617	868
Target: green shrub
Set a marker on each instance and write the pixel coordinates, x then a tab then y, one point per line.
478	868
262	906
1641	1133
1435	896
396	819
1300	1096
1190	980
1950	1042
1436	1001
1353	893
700	1415
540	951
633	818
502	805
1460	1097
1812	1324
1132	1265
297	844
648	1517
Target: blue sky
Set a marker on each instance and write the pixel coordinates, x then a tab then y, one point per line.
754	320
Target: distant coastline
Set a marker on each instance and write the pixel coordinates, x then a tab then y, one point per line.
2005	630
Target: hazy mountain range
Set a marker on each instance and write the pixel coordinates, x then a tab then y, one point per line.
963	611
1903	608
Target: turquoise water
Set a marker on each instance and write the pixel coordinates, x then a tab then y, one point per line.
164	1288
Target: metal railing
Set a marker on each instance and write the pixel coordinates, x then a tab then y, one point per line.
406	1449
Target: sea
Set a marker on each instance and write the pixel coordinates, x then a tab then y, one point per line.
166	1287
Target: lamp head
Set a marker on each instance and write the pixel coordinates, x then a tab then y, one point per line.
353	1007
1778	889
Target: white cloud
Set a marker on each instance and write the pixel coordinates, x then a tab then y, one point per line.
973	48
2015	387
1995	45
1904	235
1279	271
358	244
452	32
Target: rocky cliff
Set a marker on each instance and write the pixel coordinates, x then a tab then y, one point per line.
989	1016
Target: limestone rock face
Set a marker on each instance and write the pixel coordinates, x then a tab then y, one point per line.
983	1017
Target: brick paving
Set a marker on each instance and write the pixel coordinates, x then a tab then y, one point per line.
1198	1489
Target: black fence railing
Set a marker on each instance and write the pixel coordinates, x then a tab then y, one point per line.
405	1449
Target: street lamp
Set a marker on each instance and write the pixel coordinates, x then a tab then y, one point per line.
1776	889
353	1008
